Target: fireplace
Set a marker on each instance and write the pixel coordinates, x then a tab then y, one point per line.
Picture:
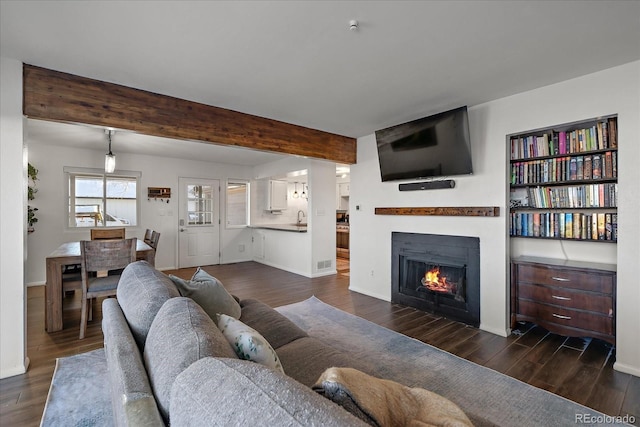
436	273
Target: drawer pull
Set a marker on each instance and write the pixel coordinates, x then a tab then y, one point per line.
560	279
560	298
559	316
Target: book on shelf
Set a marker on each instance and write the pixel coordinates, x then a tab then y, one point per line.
562	142
608	165
601	226
587	169
596	166
600	136
613	132
608	227
580	167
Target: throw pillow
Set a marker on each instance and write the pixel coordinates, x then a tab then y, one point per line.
248	343
209	293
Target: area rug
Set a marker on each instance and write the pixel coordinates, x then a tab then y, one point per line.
487	396
79	393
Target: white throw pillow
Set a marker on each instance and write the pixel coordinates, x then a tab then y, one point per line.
248	343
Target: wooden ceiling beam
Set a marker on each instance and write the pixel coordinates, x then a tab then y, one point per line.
57	96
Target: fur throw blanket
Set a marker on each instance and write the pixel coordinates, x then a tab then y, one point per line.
387	403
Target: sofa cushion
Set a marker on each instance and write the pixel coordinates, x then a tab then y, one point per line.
142	290
274	327
237	392
209	293
305	359
180	334
248	343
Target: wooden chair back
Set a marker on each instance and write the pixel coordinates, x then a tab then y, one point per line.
107	233
147	235
98	257
101	255
155	238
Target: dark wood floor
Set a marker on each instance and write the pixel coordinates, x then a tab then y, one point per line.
578	369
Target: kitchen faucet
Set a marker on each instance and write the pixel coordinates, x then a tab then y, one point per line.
303	215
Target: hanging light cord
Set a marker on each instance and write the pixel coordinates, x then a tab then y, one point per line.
109	136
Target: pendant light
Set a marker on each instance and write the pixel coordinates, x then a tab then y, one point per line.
110	158
295	194
304	194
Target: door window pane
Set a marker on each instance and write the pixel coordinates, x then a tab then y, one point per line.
200	204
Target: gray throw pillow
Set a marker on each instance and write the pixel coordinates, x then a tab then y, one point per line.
180	334
209	293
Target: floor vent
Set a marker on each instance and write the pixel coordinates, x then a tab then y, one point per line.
324	264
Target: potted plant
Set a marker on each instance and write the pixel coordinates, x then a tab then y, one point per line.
32	174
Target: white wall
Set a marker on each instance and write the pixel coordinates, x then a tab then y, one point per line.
12	222
616	90
156	172
322	216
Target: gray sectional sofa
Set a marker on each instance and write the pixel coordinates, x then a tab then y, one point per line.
169	363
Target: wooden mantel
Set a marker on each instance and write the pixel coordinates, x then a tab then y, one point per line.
57	96
442	211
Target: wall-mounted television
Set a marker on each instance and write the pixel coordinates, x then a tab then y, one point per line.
434	146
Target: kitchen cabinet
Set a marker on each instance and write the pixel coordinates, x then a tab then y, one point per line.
342	241
343	189
342	195
277	195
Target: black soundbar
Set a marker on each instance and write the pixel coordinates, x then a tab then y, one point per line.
427	185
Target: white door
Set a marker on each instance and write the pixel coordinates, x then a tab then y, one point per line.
199	222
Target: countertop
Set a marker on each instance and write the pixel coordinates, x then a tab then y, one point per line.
282	227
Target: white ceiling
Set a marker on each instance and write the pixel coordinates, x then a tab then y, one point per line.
298	62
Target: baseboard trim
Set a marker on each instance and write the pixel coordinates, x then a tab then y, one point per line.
499	332
324	273
16	370
39	283
627	369
369	293
280	267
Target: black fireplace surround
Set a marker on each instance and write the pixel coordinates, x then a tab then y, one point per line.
438	274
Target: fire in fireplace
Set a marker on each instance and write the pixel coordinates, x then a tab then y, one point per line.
436	280
439	274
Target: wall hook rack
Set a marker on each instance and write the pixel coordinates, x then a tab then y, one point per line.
159	193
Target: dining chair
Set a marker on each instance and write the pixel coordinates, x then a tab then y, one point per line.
155	238
107	233
98	257
152	241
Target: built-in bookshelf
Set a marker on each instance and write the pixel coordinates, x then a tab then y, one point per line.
563	182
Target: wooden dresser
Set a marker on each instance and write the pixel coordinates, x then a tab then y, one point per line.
565	297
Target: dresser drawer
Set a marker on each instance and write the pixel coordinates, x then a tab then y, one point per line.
566	278
566	317
567	298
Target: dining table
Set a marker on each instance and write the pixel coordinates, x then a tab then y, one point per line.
69	254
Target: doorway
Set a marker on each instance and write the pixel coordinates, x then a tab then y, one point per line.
199	222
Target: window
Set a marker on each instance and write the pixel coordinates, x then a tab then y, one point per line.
200	204
100	200
237	204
